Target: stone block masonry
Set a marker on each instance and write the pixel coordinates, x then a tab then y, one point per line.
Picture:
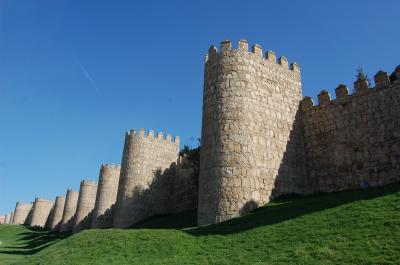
353	141
2	218
21	212
86	203
145	158
56	217
71	201
41	212
250	105
106	196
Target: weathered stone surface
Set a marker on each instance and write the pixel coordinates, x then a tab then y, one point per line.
21	212
71	201
150	182
249	112
85	206
41	212
56	217
106	196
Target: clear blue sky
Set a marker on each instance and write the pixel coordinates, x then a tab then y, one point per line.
75	75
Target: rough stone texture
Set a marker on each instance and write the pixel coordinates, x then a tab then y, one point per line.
250	140
21	212
7	218
71	201
145	158
56	217
354	141
84	209
106	196
41	212
2	218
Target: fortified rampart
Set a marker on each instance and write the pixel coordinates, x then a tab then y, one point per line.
249	110
86	202
21	212
2	218
145	158
41	212
353	141
11	218
56	217
106	196
71	201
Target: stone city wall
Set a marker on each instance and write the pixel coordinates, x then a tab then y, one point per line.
145	158
250	142
41	212
71	201
21	212
106	196
7	218
84	209
56	217
2	218
353	141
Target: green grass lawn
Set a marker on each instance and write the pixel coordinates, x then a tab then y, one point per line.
352	227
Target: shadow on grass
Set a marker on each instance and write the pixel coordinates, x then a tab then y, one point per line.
282	209
33	241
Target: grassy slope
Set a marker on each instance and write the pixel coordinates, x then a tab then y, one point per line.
360	227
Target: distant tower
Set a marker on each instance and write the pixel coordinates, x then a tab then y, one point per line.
7	218
2	218
41	212
86	202
106	196
21	212
249	110
144	159
56	217
71	201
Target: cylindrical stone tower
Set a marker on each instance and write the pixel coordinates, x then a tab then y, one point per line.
57	214
106	196
21	212
2	218
86	202
11	217
144	159
71	201
7	218
249	108
41	212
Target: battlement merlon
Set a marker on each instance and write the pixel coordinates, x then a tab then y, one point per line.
256	51
361	87
150	135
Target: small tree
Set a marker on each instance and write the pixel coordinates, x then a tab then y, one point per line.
361	75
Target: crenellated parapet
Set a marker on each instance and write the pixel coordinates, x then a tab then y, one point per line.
255	53
361	88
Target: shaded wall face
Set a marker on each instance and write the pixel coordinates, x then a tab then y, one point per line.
57	213
84	209
144	161
71	202
41	212
106	196
355	142
249	109
21	212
